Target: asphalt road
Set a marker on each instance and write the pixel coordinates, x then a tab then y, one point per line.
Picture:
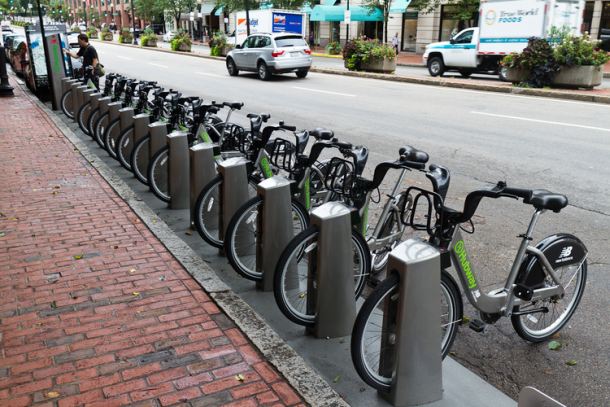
481	137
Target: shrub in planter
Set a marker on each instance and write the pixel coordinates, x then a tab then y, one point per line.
334	48
92	32
75	29
537	60
219	45
181	42
125	37
369	55
148	38
106	35
580	60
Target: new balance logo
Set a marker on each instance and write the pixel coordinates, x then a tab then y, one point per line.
565	252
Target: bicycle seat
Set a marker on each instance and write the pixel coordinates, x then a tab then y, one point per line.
361	155
543	199
263	116
256	121
439	177
321	134
408	153
234	105
302	139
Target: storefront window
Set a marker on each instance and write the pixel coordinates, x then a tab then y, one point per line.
451	24
587	17
605	20
409	30
334	31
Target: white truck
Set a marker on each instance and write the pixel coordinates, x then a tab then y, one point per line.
266	21
504	28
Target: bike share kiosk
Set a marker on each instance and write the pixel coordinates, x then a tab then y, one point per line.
178	170
202	171
330	286
274	229
413	356
233	191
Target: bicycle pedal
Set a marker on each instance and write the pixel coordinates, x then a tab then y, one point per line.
477	325
523	292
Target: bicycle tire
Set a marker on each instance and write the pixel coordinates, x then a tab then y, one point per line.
139	159
81	119
100	128
388	290
67	104
124	146
248	213
295	251
158	174
91	121
520	321
109	140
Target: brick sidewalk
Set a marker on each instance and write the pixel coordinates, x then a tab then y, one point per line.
94	310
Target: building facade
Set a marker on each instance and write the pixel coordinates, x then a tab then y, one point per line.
103	12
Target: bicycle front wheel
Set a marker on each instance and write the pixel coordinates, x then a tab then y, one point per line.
99	128
374	334
292	273
241	236
81	117
112	132
91	122
124	147
139	159
67	104
553	313
158	174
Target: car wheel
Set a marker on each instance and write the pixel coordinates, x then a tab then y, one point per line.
233	71
263	71
502	73
302	73
436	66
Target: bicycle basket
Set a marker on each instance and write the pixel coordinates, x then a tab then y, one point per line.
413	205
340	177
282	154
232	134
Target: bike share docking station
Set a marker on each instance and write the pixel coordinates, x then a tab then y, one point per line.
233	191
158	138
77	98
178	170
126	115
330	283
202	171
274	229
86	98
412	357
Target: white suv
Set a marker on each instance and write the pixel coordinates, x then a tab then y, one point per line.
268	54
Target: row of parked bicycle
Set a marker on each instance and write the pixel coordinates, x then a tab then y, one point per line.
542	289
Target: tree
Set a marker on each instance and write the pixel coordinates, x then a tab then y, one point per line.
177	7
148	10
465	9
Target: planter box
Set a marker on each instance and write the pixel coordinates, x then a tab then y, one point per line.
152	42
579	76
516	75
184	47
379	65
107	37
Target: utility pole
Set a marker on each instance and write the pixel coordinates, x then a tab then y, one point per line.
133	24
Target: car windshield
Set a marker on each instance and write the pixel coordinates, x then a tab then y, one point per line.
292	41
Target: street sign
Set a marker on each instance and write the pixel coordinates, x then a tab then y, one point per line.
347	16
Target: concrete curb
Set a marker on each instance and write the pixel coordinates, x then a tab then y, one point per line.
420	80
314	390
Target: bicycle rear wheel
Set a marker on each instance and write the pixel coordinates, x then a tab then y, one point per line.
541	326
139	159
158	174
241	236
375	332
67	105
124	147
292	271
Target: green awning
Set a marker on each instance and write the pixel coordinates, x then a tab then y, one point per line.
207	8
336	13
399	6
218	11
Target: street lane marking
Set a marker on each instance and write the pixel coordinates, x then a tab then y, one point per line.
210	74
159	65
324	91
542	121
122	57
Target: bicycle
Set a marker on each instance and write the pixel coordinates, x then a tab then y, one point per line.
85	109
533	295
307	190
104	127
106	92
370	251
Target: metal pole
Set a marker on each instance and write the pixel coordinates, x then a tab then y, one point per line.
5	88
133	24
46	53
85	13
347	26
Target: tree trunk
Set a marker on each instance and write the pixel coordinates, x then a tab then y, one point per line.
386	17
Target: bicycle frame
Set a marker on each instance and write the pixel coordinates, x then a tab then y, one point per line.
501	301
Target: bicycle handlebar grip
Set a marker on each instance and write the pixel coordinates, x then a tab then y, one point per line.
526	194
342	144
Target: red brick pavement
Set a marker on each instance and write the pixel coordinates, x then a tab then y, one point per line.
93	309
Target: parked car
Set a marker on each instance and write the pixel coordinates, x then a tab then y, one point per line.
168	36
19	55
268	54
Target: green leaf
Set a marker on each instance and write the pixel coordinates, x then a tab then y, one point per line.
77	256
554	345
571	362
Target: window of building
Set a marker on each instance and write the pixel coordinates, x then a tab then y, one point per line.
451	24
604	24
335	27
587	18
